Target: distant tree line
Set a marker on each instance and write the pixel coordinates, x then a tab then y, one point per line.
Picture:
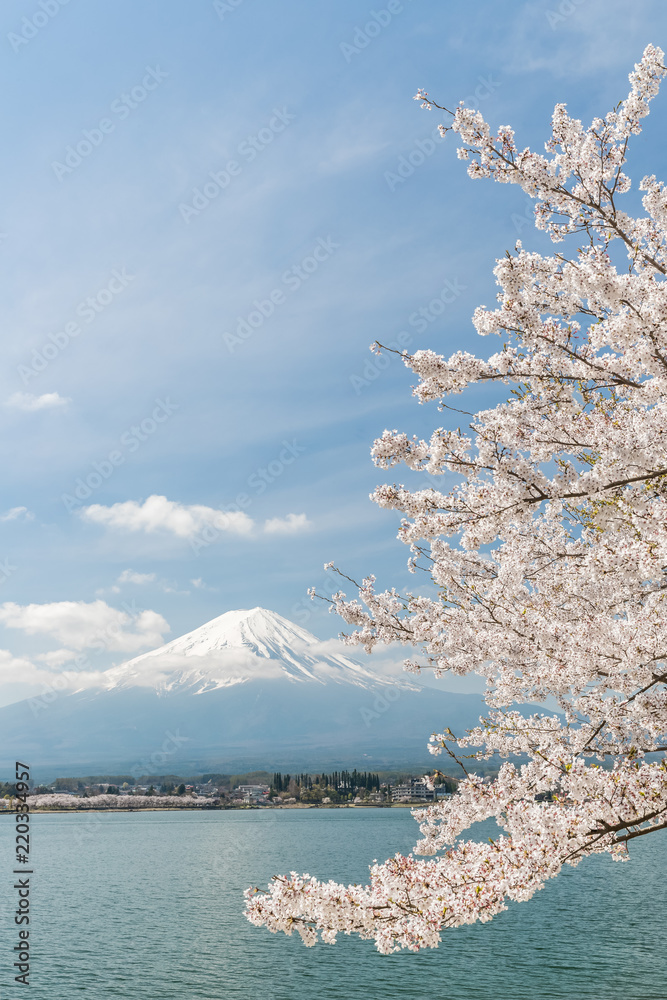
337	785
342	781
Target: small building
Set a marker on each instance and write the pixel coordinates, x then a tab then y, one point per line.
416	790
252	793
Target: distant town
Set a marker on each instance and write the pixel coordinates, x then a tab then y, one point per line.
256	789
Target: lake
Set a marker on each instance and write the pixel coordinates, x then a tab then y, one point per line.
149	905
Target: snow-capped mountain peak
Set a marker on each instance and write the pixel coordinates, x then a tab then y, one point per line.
237	647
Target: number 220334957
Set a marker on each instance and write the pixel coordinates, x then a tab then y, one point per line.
22	884
22	813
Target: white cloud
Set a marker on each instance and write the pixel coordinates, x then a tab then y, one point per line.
387	663
17	514
222	668
291	525
573	40
200	584
15	668
28	402
87	626
35	681
157	513
57	657
129	576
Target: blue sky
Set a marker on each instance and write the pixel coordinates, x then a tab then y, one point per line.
210	211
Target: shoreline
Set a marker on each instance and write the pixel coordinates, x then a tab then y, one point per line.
171	809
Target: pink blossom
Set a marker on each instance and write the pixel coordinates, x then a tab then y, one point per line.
548	556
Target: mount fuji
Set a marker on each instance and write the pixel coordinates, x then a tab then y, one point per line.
237	648
248	689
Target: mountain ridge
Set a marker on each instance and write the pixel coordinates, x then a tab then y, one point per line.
247	689
236	647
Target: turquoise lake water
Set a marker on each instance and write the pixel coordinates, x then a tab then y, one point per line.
149	905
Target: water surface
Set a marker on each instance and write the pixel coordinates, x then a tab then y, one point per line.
149	906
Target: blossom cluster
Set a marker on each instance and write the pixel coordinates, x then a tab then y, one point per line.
58	801
549	555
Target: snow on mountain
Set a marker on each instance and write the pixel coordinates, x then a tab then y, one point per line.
248	690
237	647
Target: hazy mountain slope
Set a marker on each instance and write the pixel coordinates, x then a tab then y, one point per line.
258	723
246	689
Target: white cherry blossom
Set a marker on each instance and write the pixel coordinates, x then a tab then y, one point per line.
549	555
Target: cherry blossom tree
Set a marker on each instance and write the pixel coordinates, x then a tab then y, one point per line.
549	556
58	801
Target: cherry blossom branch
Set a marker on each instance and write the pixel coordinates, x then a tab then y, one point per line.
547	558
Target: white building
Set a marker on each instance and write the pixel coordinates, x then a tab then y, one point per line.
416	789
252	793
